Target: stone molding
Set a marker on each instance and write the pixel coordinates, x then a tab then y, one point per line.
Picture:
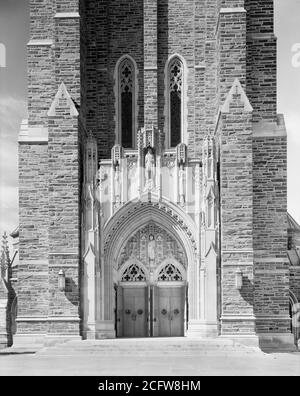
67	15
40	42
62	93
232	10
236	89
37	134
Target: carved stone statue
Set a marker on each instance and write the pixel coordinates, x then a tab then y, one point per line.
181	185
151	249
149	169
117	186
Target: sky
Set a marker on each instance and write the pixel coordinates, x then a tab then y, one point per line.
14	34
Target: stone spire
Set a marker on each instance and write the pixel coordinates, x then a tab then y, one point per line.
4	257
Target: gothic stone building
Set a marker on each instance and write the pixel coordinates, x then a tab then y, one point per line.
153	174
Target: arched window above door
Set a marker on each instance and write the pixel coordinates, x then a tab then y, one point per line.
175	100
133	273
169	273
126	101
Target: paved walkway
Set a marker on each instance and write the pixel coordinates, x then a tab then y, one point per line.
176	363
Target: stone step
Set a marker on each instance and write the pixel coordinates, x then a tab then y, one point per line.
155	346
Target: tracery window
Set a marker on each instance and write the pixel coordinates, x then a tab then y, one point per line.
169	273
126	99
134	273
175	100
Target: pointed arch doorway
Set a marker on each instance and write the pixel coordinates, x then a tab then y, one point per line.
151	298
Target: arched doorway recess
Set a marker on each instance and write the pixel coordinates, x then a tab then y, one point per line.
150	258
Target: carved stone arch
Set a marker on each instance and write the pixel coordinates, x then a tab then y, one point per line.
129	263
123	224
167	245
117	94
293	298
295	316
134	215
175	264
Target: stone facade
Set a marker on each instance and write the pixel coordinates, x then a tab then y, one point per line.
221	194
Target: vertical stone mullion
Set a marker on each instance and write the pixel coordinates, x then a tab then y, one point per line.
150	64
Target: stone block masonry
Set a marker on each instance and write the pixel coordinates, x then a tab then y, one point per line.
270	230
261	59
236	214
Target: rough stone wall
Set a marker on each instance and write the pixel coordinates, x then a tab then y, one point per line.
49	206
32	285
67	55
270	233
150	64
236	201
295	281
40	83
199	93
232	56
261	59
41	19
65	174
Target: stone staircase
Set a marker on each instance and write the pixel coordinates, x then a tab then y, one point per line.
148	347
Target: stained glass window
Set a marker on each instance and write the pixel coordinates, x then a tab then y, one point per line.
126	102
176	76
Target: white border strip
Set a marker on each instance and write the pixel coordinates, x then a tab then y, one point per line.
67	15
232	10
40	42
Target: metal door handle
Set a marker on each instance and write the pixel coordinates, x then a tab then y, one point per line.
133	316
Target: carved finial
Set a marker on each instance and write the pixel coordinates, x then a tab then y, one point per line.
4	258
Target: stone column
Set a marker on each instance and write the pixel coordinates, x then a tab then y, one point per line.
4	336
150	64
194	274
236	178
33	297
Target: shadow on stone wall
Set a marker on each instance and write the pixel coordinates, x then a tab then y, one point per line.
71	291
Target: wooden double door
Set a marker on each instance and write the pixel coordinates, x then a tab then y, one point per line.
150	311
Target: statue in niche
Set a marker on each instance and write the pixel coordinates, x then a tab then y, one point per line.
117	186
151	249
181	185
150	169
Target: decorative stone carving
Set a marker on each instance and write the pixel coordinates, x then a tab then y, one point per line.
151	250
117	187
149	169
170	273
176	72
116	155
133	273
181	185
152	245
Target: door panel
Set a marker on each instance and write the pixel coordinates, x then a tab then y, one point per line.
135	312
155	311
150	311
119	309
169	308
